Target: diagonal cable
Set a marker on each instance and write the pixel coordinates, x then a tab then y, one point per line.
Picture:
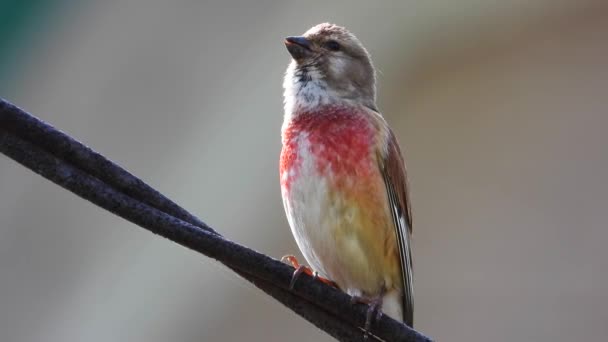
70	164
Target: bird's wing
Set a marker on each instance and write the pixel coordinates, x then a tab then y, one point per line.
394	173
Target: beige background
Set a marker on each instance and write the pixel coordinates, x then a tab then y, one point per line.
500	106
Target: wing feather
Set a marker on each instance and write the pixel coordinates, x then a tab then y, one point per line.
394	174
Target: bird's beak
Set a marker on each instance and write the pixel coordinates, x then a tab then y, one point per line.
298	47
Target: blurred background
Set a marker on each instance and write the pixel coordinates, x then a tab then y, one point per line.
500	107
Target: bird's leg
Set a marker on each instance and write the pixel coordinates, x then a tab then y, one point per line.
374	306
291	260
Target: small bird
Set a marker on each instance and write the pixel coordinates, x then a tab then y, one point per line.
343	179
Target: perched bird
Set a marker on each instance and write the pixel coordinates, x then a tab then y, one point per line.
343	179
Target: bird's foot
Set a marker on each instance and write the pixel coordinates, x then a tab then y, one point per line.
291	260
374	307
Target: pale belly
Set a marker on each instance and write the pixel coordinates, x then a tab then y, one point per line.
342	231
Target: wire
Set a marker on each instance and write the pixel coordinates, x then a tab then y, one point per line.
77	168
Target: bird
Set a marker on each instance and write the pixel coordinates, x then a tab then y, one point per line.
342	174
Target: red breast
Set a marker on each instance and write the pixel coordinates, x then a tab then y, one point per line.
340	139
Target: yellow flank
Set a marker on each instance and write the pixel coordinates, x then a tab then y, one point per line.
361	224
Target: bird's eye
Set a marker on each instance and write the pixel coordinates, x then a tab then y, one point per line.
332	45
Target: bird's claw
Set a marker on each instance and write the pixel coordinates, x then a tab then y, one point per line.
291	260
374	306
296	274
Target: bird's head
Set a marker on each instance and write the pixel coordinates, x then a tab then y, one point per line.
328	64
